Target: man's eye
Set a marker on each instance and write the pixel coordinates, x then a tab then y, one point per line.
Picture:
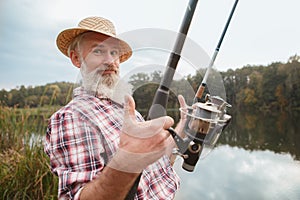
98	51
115	53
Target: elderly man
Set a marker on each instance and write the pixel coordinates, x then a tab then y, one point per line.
98	145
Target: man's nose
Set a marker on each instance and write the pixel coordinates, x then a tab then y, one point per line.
109	59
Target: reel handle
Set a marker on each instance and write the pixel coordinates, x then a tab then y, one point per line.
187	149
182	144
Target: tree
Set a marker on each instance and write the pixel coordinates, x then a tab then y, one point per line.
246	98
282	101
294	58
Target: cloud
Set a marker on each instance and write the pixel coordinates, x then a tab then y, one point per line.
231	172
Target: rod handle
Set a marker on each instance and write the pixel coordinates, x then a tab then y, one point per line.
199	92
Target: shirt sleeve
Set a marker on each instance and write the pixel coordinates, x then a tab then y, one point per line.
75	150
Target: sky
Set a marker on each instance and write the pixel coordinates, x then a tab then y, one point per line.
261	32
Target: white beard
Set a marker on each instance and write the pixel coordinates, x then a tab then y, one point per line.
105	86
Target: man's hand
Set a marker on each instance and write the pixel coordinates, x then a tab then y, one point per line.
141	143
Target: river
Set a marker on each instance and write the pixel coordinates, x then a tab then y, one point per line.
256	157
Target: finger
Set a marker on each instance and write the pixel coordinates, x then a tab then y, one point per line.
183	106
154	126
161	122
181	101
168	122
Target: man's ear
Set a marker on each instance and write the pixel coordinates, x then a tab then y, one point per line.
75	58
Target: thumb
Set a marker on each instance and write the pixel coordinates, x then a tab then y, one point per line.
129	107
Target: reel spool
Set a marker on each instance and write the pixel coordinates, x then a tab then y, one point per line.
205	121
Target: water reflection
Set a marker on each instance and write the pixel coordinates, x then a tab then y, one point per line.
278	132
236	173
257	157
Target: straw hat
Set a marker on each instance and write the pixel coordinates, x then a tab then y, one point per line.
95	24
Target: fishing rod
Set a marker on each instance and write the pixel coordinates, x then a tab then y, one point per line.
202	86
159	104
205	120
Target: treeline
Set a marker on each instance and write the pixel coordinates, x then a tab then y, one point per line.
272	87
276	86
58	93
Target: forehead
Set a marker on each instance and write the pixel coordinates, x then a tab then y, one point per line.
96	39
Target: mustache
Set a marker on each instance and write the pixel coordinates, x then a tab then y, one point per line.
100	71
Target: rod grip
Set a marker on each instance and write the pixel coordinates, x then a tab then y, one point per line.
200	91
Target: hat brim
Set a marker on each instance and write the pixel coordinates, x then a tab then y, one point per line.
65	38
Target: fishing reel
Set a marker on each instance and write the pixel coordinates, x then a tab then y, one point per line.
204	124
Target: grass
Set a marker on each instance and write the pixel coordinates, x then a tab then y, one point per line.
24	167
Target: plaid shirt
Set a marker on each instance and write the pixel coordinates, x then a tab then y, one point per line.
84	135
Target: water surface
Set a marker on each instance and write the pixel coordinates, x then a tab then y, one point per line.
257	157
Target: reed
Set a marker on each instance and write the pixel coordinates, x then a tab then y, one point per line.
24	167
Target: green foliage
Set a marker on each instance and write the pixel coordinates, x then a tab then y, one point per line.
276	86
51	94
247	96
25	171
25	174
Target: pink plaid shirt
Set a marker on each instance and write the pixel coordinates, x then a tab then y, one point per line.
84	135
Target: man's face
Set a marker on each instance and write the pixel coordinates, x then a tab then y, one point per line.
100	53
99	66
99	60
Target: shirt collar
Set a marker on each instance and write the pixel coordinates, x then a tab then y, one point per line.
80	91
